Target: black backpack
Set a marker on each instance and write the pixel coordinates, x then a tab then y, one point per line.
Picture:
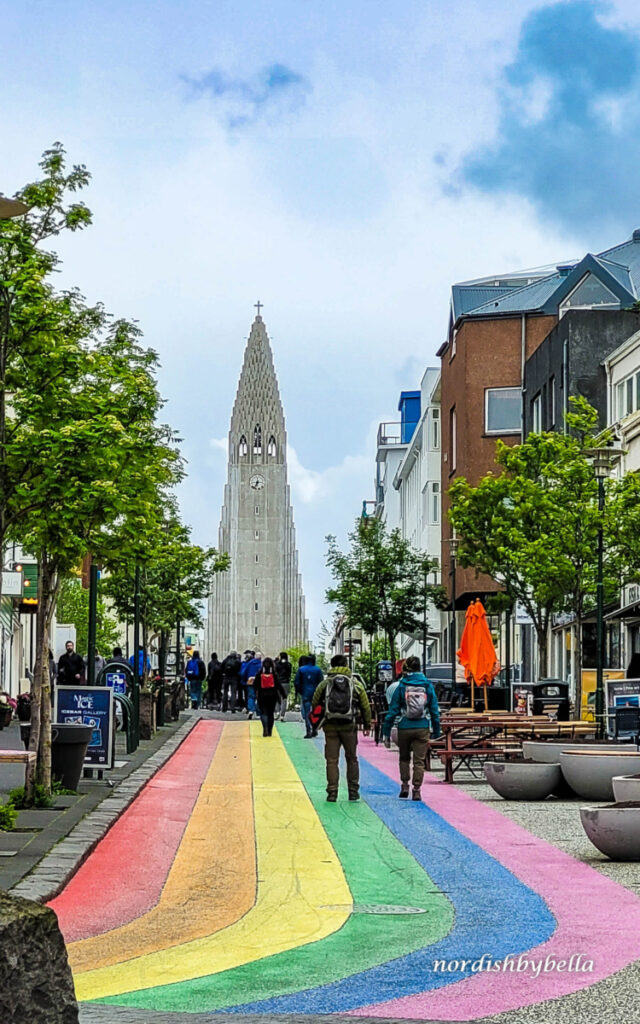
339	699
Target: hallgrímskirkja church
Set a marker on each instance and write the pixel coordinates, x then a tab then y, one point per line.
258	604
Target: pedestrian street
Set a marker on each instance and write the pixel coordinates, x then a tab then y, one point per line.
236	888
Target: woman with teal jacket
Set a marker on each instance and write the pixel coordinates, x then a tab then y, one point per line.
416	705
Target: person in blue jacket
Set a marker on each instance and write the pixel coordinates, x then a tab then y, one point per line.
250	668
141	663
415	705
307	679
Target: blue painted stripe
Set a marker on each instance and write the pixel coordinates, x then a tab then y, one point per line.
495	912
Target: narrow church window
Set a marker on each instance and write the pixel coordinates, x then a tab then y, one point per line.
257	440
257	558
255	606
257	534
243	447
257	510
257	583
271	447
256	630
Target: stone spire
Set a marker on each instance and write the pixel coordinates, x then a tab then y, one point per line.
258	604
258	402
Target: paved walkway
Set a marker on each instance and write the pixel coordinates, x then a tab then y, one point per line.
246	893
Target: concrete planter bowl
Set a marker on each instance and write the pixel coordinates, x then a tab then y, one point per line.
590	773
522	780
549	753
614	830
626	788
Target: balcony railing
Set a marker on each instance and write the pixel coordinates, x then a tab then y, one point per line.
388	434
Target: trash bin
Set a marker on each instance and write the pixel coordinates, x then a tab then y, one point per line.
551	697
69	744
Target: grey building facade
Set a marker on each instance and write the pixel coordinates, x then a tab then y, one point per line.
570	362
259	603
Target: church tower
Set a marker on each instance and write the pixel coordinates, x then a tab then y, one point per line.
258	603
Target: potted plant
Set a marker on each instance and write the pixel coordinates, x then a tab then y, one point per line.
23	707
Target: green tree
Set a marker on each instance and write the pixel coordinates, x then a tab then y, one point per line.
175	578
534	526
366	663
381	583
73	607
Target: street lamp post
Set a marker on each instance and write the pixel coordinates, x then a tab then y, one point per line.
453	548
424	624
603	460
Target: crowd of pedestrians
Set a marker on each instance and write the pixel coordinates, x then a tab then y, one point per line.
337	703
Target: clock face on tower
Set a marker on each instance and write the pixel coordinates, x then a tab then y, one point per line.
256	482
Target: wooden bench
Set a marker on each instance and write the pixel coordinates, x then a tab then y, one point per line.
25	757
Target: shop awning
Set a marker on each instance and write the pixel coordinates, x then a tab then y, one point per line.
629	611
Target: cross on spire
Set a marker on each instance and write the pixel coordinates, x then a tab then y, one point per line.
259	305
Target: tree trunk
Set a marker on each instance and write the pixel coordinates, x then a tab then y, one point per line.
542	636
48	591
391	638
33	772
578	665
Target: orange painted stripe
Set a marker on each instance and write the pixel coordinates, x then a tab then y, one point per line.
212	882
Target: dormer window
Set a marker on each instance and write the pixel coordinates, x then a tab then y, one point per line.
272	447
257	440
243	447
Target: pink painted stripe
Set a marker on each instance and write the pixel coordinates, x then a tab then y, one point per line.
124	876
595	917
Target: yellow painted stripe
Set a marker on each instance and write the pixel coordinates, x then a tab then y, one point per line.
212	881
302	896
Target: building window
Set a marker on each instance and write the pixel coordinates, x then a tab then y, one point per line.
588	293
255	606
435	429
257	510
628	396
243	447
257	440
255	630
257	558
435	502
453	439
271	447
552	402
257	583
454	346
503	411
536	414
257	534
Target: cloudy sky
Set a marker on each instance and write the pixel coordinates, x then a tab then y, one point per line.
345	161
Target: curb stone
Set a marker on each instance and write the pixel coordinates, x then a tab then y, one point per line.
52	873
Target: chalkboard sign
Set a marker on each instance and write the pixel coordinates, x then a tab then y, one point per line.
89	705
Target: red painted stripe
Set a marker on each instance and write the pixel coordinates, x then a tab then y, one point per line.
125	874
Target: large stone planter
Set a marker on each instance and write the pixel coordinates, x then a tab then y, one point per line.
147	715
549	753
522	780
614	830
590	773
626	789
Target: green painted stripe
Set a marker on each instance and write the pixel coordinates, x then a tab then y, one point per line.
378	868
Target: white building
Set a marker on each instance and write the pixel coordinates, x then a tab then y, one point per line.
623	407
408	488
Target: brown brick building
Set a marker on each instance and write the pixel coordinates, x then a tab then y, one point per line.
495	325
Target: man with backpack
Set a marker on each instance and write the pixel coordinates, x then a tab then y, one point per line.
415	704
196	673
341	696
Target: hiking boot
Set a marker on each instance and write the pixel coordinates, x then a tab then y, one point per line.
416	795
250	715
354	796
331	798
404	790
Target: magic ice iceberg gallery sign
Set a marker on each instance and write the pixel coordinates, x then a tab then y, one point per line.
89	705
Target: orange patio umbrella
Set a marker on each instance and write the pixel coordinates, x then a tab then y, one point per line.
477	654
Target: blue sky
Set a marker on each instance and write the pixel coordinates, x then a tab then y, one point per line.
345	162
